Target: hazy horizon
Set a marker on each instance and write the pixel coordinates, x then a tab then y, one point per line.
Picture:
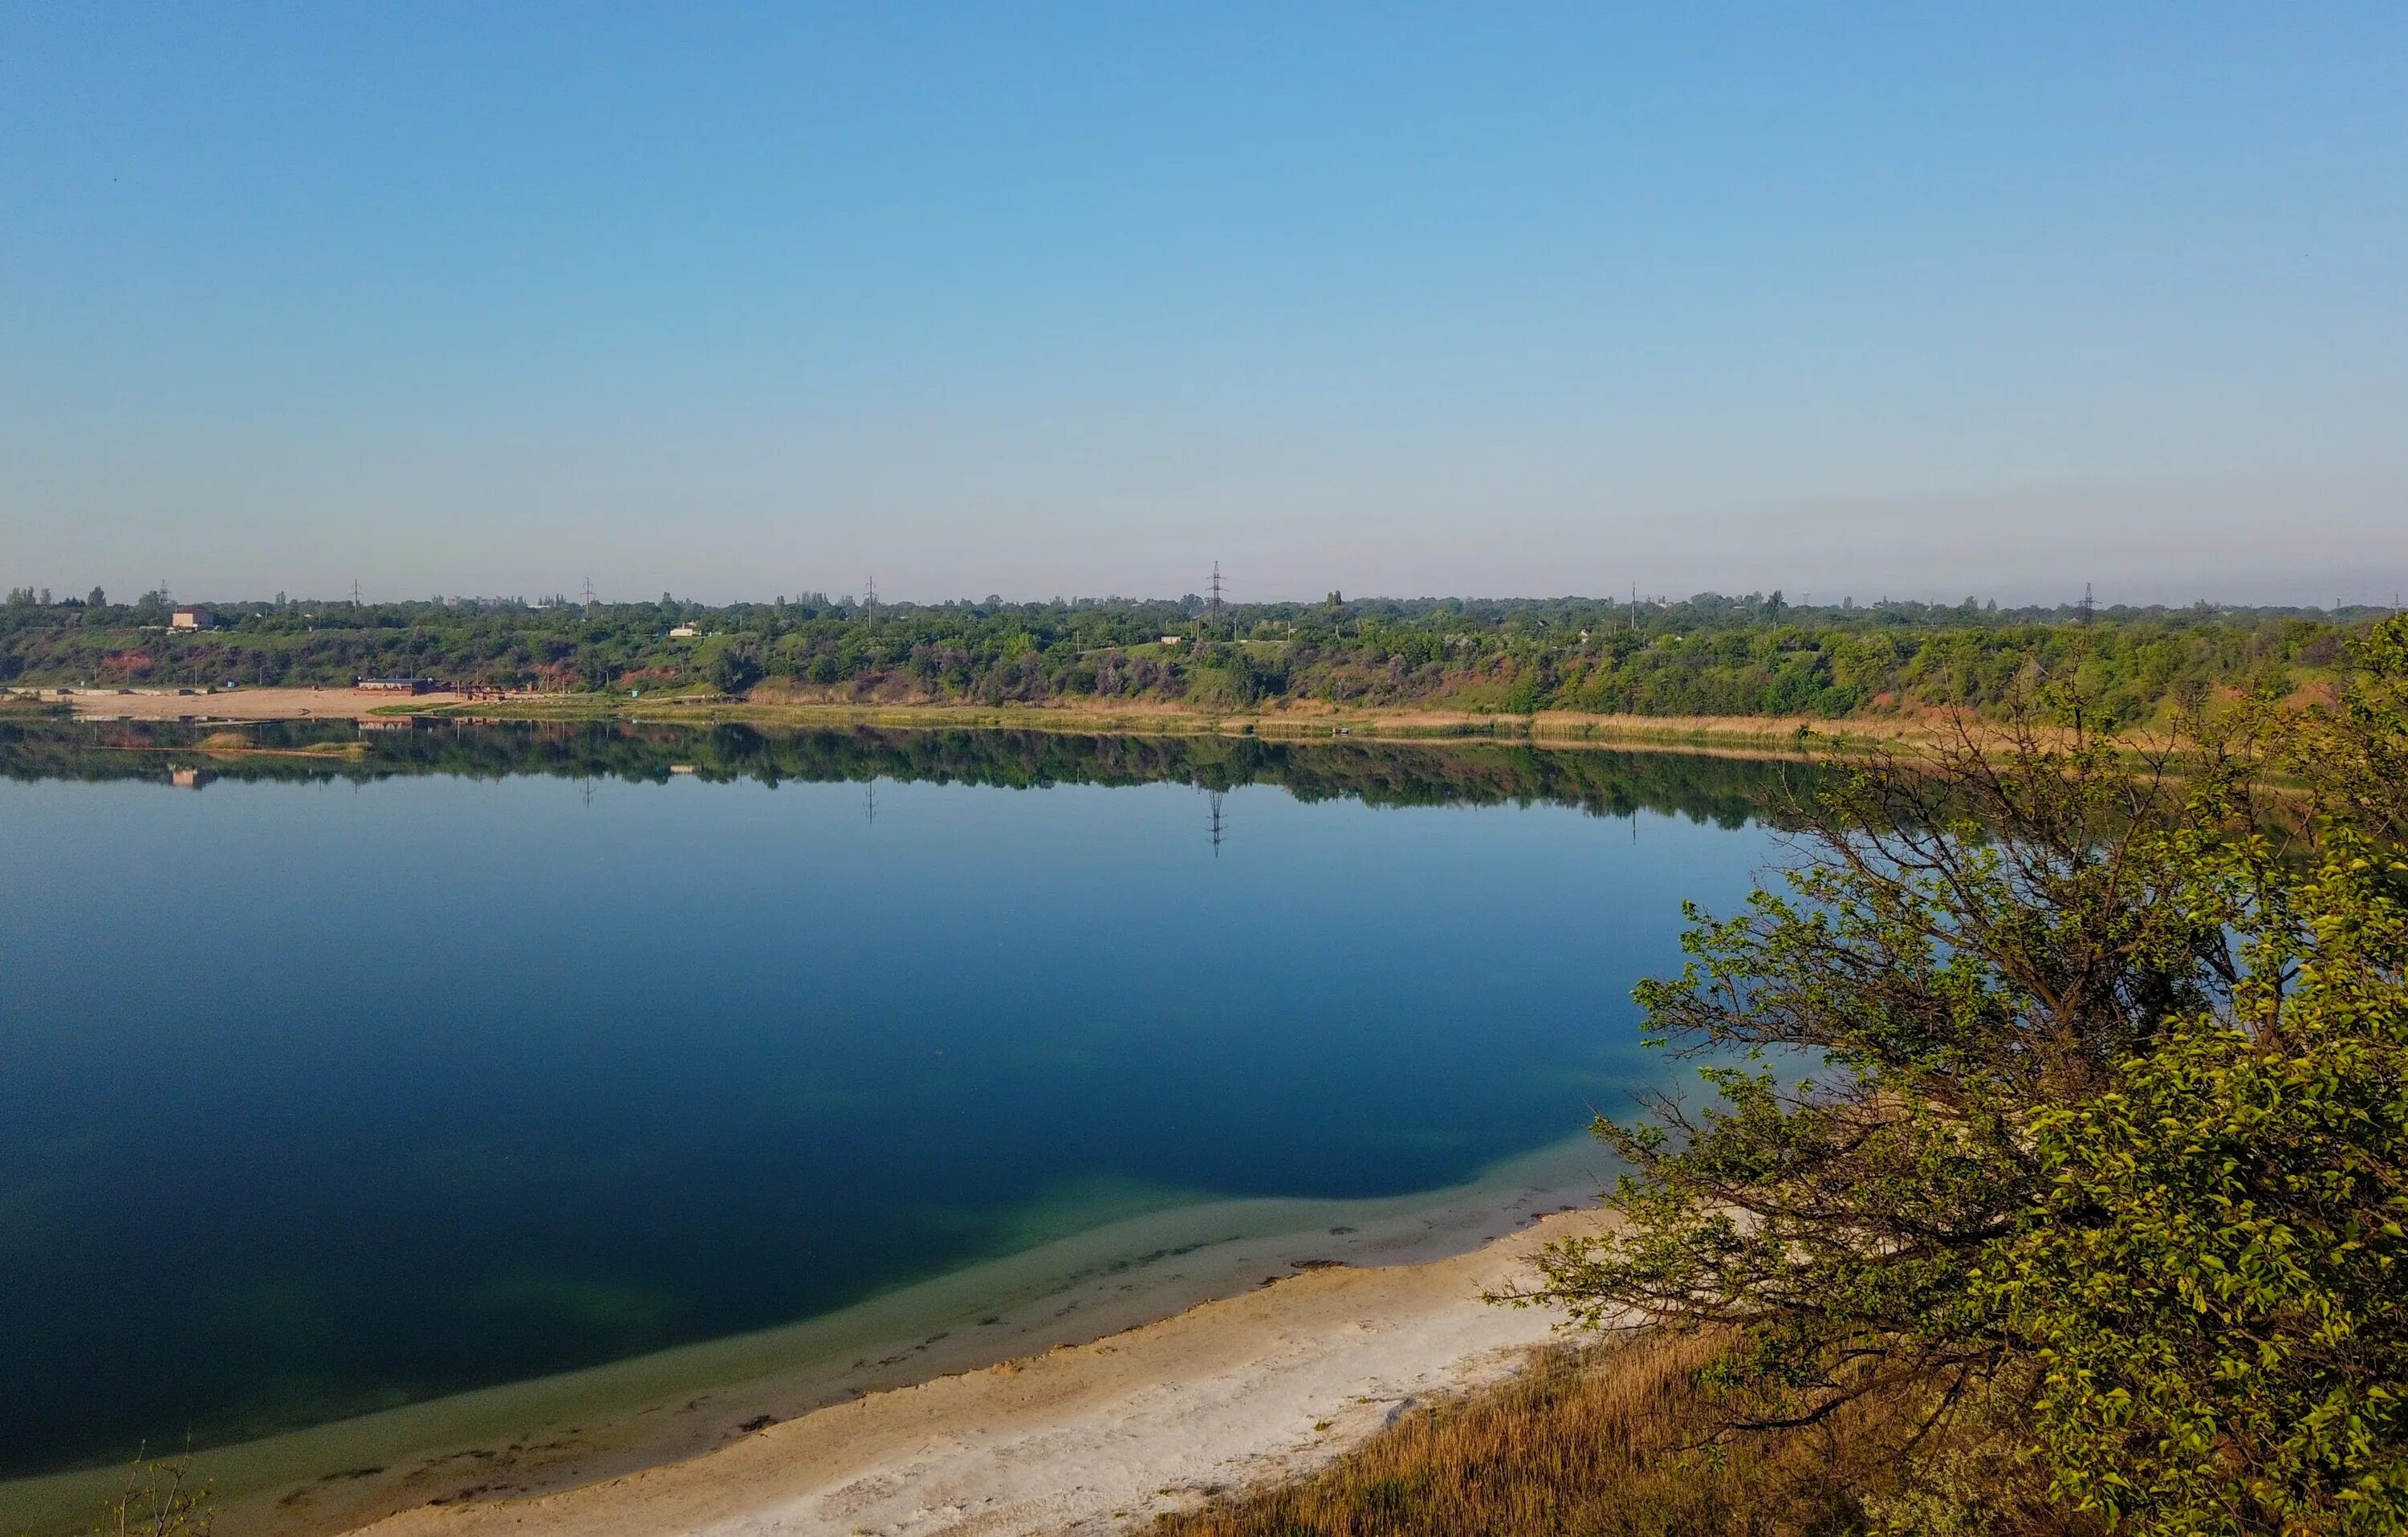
847	597
1064	299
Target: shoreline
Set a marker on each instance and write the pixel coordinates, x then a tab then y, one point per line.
1748	735
1091	1439
560	1433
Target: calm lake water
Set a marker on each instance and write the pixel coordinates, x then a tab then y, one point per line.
348	1082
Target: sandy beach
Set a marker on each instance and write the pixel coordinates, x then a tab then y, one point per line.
1086	1438
1407	1272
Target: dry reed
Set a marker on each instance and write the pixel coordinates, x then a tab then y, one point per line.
1604	1440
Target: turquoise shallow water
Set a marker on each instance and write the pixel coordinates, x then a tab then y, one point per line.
329	1089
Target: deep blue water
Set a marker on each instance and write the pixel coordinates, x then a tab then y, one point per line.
327	1094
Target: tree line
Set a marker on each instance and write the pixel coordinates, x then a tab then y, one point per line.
1756	654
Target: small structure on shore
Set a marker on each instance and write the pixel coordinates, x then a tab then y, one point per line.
398	686
193	617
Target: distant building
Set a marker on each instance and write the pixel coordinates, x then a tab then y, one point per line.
684	632
193	618
398	686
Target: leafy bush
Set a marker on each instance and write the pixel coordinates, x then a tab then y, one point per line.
2064	1093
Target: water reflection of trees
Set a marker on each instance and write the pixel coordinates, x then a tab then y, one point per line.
1726	791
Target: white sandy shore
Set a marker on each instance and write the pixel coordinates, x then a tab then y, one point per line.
553	1436
1083	1438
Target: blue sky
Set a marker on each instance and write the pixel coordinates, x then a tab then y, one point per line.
1038	299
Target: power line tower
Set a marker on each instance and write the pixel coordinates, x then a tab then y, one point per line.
589	592
1212	604
355	592
1634	608
2083	612
872	600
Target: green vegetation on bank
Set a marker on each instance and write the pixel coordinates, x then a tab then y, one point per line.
1705	656
2060	1108
2052	1177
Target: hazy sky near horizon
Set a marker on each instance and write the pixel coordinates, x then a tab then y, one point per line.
740	300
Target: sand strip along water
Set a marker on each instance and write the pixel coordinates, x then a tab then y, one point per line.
1085	1438
556	1433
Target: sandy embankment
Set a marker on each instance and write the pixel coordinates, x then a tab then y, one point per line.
246	704
1085	1438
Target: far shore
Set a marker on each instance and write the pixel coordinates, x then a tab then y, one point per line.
646	1425
1756	736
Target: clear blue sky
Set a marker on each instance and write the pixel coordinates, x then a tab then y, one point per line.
1037	299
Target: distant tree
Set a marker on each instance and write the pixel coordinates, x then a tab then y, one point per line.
732	665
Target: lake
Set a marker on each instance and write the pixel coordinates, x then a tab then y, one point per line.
360	1073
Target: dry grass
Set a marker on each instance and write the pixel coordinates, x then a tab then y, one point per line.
1599	1441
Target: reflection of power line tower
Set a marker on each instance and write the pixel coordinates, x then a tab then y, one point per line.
869	804
1220	825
